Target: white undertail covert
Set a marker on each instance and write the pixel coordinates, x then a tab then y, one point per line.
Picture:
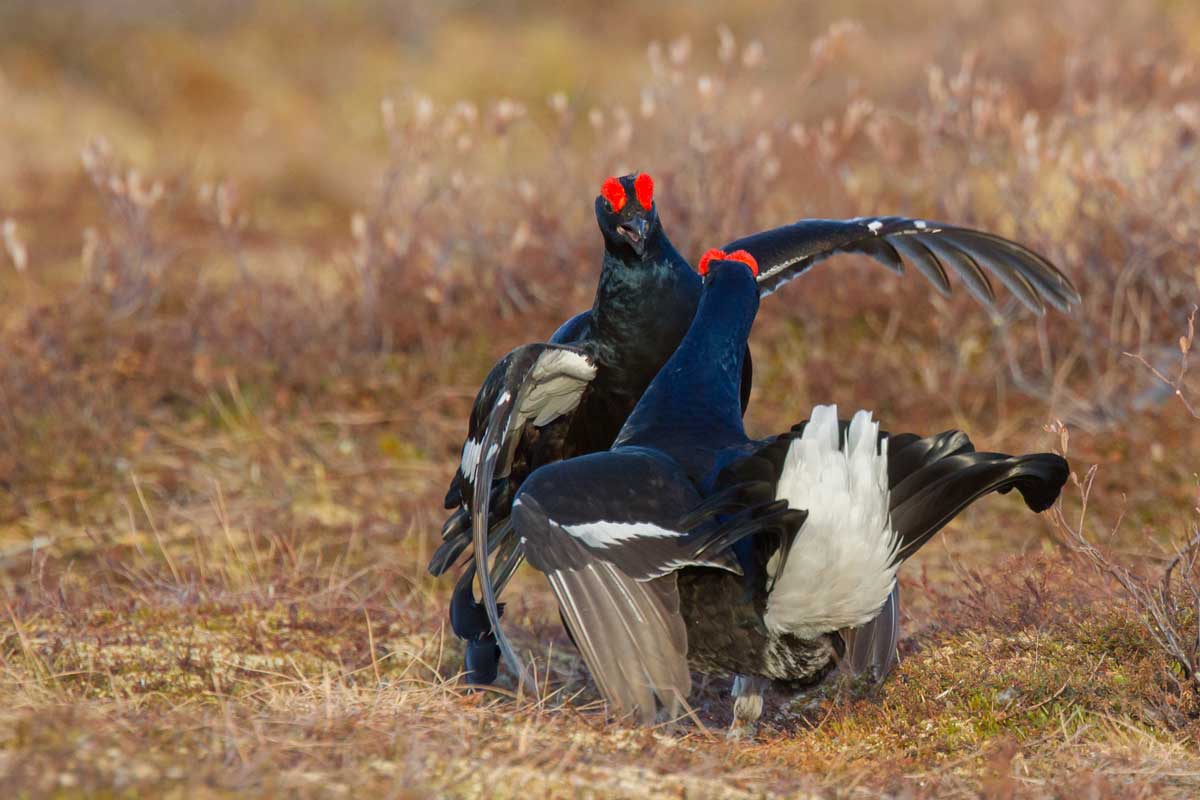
839	570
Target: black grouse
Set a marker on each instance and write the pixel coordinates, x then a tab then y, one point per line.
688	545
645	300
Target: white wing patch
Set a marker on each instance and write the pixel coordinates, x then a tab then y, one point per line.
559	377
555	386
839	571
568	362
607	534
470	456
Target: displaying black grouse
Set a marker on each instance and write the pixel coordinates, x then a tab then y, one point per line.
645	300
688	545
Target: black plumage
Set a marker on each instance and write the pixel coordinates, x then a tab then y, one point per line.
669	550
645	300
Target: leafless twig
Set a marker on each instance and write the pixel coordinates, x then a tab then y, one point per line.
1169	607
1176	383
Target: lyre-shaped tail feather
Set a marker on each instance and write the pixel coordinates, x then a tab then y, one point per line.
928	498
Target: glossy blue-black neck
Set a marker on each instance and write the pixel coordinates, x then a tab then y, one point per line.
625	278
692	408
644	305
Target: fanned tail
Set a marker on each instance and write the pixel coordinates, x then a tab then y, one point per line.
932	480
949	479
841	568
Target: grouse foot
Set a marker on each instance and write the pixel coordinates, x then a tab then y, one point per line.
469	622
747	706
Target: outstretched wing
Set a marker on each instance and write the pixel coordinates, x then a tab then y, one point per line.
787	252
530	388
609	530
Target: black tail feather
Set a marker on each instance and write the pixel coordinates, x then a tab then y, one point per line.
772	519
948	478
456	532
907	452
456	537
510	554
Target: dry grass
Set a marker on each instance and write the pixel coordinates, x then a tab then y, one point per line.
240	335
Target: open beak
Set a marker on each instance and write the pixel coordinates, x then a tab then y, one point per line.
635	230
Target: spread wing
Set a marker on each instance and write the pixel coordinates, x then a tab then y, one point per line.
530	388
609	530
787	252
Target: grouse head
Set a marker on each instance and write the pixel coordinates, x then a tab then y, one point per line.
626	213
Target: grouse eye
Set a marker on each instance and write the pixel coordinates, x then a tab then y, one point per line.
720	255
644	187
614	193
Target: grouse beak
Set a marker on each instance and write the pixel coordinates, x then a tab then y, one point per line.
634	230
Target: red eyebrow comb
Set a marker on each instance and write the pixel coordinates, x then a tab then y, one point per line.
720	255
644	187
614	193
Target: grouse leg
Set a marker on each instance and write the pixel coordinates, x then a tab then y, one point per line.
747	705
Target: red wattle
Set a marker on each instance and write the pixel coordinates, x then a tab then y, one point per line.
644	187
614	193
720	255
710	255
745	258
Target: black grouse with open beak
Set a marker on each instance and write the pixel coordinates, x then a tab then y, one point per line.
635	230
645	301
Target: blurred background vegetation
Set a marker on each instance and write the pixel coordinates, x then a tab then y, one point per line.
255	258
